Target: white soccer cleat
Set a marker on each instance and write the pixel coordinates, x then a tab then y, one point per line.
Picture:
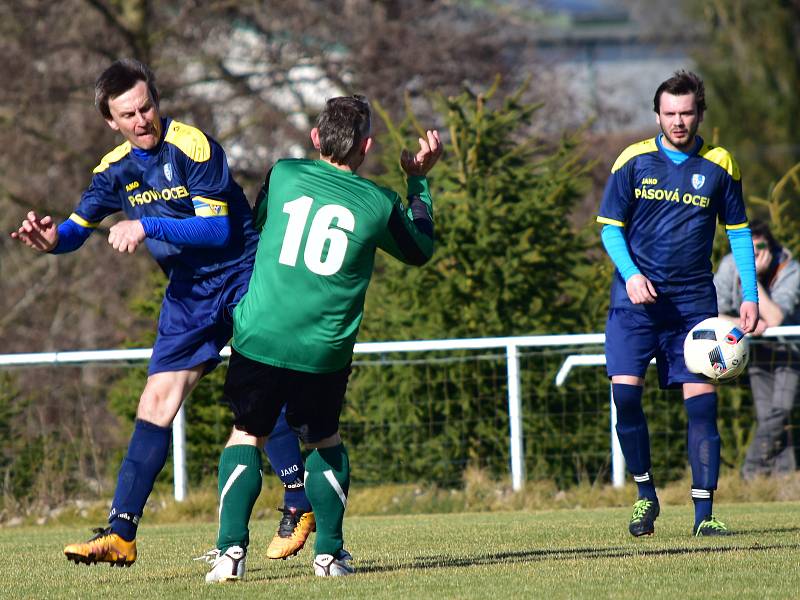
326	565
227	566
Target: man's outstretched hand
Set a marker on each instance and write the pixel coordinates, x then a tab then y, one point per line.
38	233
430	150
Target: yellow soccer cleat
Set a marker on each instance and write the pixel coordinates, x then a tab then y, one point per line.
293	531
104	547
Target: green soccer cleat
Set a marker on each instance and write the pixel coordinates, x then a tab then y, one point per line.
711	526
644	517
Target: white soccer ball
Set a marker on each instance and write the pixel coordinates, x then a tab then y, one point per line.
716	348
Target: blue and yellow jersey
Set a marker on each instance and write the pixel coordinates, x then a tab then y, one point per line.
186	176
669	212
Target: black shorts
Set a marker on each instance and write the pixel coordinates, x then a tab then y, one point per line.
257	392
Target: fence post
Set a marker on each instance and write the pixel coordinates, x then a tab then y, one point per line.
515	418
179	454
617	459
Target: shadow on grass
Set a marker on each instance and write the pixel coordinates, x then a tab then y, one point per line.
768	530
531	556
435	562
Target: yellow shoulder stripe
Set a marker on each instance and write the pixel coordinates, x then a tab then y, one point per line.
608	221
115	155
205	207
190	140
633	151
720	156
83	222
739	226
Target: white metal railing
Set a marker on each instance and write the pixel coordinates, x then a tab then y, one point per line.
595	360
510	344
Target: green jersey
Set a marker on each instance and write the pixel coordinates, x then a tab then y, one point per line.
320	227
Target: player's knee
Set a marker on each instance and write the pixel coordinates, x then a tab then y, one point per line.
702	408
627	397
158	406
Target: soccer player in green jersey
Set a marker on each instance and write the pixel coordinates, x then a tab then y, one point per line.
320	224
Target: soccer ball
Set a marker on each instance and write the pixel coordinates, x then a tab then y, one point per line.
717	349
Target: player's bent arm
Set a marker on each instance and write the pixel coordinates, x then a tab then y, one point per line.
195	232
409	234
615	244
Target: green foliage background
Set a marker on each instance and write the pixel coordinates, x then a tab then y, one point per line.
506	256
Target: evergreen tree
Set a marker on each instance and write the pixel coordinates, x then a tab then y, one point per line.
506	251
505	264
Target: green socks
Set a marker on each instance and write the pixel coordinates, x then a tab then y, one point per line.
327	484
239	487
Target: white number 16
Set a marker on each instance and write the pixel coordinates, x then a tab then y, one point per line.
319	233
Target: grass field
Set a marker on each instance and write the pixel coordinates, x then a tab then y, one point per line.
584	553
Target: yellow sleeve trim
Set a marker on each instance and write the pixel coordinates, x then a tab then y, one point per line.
115	155
189	140
205	207
739	226
83	222
608	221
720	156
633	151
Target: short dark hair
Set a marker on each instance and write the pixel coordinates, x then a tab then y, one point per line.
343	124
118	79
680	84
759	228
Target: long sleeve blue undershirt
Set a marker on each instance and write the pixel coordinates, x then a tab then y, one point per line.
741	241
194	232
617	247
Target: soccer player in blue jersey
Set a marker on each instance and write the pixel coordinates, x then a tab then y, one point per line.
172	183
660	211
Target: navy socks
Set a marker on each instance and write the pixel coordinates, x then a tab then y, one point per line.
634	438
147	453
704	452
283	451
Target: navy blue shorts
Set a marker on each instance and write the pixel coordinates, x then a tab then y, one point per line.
635	337
256	393
196	321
